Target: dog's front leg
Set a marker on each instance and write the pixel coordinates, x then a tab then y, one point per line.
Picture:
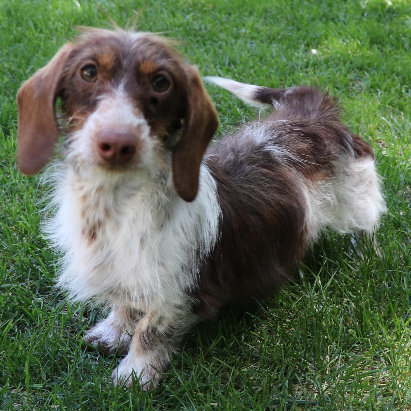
115	332
157	336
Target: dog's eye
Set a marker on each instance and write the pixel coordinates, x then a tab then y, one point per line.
89	73
161	83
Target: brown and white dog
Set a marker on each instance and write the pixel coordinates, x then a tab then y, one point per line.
164	230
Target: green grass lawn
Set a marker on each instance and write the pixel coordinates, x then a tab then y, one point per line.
339	338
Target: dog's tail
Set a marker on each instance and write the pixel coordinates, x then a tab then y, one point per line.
301	102
250	94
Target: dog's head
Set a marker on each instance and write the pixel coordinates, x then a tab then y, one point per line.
128	100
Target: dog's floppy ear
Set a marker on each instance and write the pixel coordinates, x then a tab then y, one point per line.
200	124
37	126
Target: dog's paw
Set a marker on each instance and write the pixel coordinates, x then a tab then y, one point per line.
131	367
108	338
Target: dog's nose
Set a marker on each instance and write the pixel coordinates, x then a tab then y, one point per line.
115	147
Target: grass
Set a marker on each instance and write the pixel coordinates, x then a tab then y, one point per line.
339	338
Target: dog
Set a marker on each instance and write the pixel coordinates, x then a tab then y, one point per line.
166	229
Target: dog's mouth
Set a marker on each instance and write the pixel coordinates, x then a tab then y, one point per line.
117	168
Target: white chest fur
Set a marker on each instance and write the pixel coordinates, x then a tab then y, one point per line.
131	240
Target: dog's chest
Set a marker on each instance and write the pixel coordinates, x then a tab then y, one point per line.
134	243
125	235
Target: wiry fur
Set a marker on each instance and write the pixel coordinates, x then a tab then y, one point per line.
126	233
142	227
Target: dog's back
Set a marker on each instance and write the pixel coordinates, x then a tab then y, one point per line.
280	182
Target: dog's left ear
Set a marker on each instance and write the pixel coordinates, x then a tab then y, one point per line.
200	124
37	126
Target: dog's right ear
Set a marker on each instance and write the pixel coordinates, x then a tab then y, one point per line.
37	125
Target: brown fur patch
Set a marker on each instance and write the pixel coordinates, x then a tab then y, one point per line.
91	230
106	61
153	335
148	66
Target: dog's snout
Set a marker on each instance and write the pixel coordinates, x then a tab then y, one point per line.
116	147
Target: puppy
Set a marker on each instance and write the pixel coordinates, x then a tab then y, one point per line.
165	231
